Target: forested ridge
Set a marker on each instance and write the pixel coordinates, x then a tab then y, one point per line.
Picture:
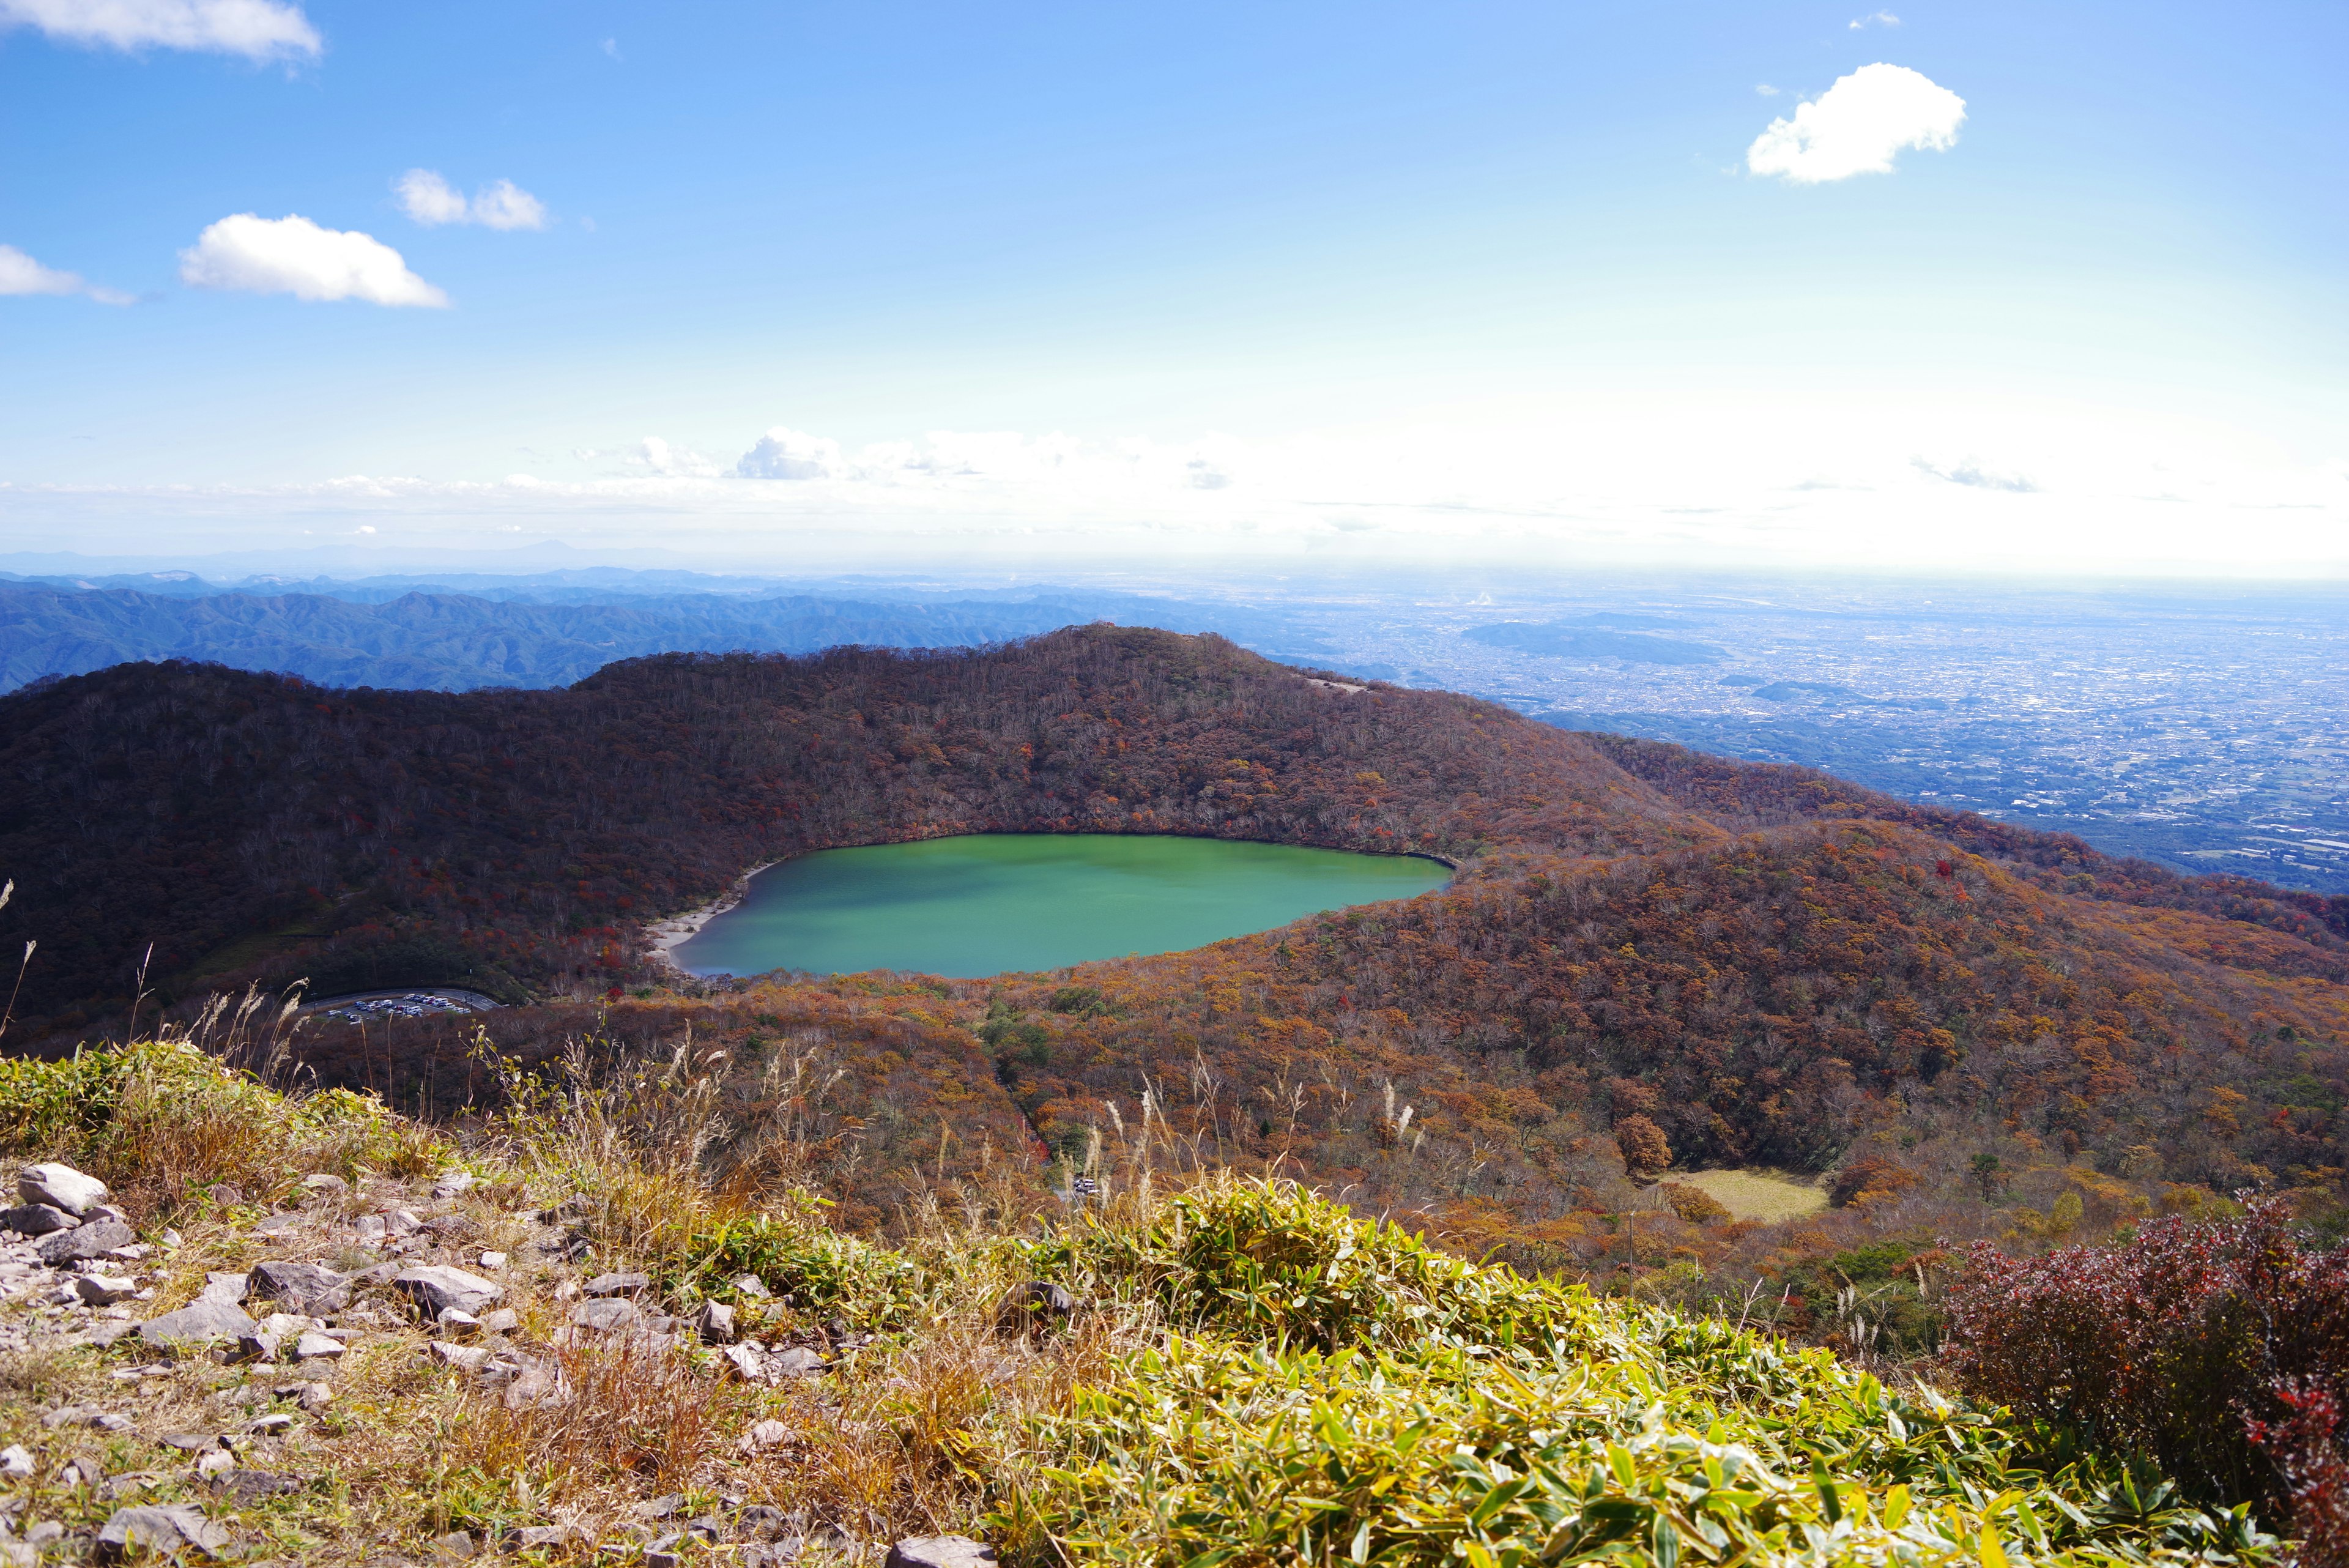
1748	964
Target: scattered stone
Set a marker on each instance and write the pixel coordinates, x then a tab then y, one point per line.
749	1285
766	1435
604	1316
317	1347
85	1471
715	1324
1033	1307
460	1324
91	1240
287	1324
796	1362
661	1507
310	1289
242	1487
105	1290
227	1289
220	1461
36	1220
258	1345
556	1535
749	1362
455	1184
314	1397
61	1187
278	1225
160	1528
464	1357
940	1552
16	1462
618	1284
271	1424
493	1259
325	1184
190	1442
505	1320
197	1324
454	1547
85	1416
436	1289
169	1239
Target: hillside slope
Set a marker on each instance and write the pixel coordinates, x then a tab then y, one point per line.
1760	965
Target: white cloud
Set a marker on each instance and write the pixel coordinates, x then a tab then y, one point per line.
430	200
20	274
654	455
1766	89
1857	126
257	29
784	454
612	47
1971	472
1875	19
506	205
294	255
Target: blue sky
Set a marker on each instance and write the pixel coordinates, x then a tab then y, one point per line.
1194	283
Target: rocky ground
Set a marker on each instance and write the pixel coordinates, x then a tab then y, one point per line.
214	1393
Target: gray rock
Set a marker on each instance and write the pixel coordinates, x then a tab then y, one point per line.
505	1320
454	1547
105	1290
604	1316
797	1362
455	1184
558	1535
159	1528
242	1487
190	1442
227	1289
16	1461
60	1187
438	1288
36	1220
310	1289
715	1324
326	1185
196	1325
618	1284
316	1347
257	1345
750	1287
93	1240
464	1357
940	1552
458	1323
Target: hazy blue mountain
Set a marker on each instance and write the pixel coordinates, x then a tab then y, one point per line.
374	633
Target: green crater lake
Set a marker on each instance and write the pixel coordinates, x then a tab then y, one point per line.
988	903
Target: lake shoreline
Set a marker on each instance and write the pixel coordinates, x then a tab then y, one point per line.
678	930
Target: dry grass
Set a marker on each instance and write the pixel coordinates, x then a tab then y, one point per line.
1765	1195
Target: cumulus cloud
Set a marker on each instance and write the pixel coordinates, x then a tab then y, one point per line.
20	274
294	255
1875	19
654	455
1858	126
257	29
785	453
1972	473
430	200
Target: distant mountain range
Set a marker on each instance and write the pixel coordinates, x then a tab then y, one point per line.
1595	637
542	631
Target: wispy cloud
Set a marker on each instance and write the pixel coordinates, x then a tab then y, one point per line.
1875	19
430	200
294	255
257	29
21	274
1766	89
1858	126
1972	473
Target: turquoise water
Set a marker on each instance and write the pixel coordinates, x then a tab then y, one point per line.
991	902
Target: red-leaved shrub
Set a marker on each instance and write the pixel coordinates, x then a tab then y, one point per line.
2219	1349
2306	1447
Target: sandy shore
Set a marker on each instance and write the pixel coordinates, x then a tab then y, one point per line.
678	930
